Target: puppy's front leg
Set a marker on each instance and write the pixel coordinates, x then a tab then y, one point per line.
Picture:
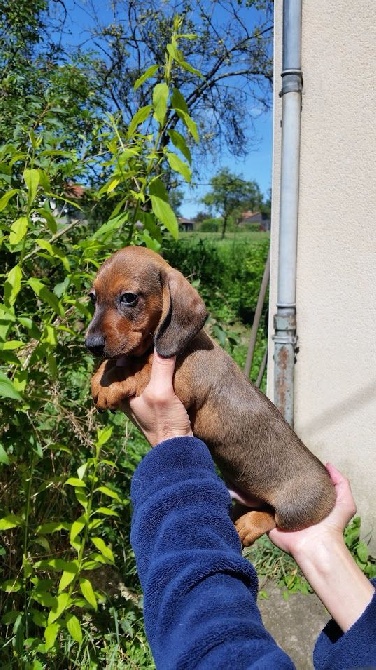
116	380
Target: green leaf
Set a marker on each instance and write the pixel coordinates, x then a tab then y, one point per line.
140	116
106	511
178	165
160	98
74	481
165	214
7	389
179	142
108	492
49	218
50	634
77	527
9	617
74	628
55	252
10	345
111	225
7	314
179	104
81	497
362	552
66	579
52	527
177	55
6	197
147	75
10	521
10	585
49	335
44	179
45	294
88	593
32	178
18	230
104	435
60	604
81	470
157	188
103	548
4	456
178	101
12	285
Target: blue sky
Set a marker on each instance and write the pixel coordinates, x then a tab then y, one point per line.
255	166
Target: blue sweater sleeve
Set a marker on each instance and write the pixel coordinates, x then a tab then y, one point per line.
356	648
199	593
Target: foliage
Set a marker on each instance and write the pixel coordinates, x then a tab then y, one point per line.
209	225
228	277
359	548
232	50
65	481
274	564
230	195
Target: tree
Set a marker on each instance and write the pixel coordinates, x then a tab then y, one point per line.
231	49
230	193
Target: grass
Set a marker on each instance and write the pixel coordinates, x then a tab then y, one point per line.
232	237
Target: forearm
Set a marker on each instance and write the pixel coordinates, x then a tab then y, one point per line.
336	579
199	593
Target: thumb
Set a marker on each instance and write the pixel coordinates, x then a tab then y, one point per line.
162	372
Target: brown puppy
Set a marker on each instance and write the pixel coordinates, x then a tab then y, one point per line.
141	302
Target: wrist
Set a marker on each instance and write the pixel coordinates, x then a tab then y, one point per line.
336	578
169	434
319	552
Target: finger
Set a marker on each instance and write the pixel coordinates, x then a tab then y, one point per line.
162	372
335	474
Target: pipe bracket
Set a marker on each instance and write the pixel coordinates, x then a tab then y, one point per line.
292	81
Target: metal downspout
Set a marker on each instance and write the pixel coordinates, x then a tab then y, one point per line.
285	317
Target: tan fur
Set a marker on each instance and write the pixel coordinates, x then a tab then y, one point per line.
257	452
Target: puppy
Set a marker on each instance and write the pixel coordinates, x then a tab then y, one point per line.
141	302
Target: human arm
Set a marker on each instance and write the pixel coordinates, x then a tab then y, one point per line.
199	593
321	553
171	498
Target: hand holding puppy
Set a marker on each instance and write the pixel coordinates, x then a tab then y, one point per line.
158	412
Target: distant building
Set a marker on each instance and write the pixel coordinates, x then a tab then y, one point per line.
186	225
260	218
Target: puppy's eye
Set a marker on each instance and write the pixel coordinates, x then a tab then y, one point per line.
92	297
129	299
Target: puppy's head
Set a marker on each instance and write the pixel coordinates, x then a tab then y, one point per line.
139	299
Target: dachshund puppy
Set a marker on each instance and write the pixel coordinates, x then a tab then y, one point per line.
142	302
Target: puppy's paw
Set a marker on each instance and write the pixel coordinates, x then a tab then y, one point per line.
110	385
252	525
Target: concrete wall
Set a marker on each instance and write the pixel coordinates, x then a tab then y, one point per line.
335	374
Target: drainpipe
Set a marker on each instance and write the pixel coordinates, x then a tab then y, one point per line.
285	319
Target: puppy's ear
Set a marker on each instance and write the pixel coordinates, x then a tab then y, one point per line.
183	314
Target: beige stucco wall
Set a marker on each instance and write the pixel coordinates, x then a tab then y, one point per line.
335	374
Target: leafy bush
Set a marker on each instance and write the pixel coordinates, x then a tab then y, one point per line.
228	277
209	226
64	494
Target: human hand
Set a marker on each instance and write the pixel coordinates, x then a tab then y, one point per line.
322	555
298	542
158	412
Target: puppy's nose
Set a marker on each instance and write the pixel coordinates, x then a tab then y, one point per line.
95	344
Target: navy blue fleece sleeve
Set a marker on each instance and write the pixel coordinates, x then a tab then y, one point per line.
199	593
356	648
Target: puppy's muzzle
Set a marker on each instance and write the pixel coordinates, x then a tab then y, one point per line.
95	343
